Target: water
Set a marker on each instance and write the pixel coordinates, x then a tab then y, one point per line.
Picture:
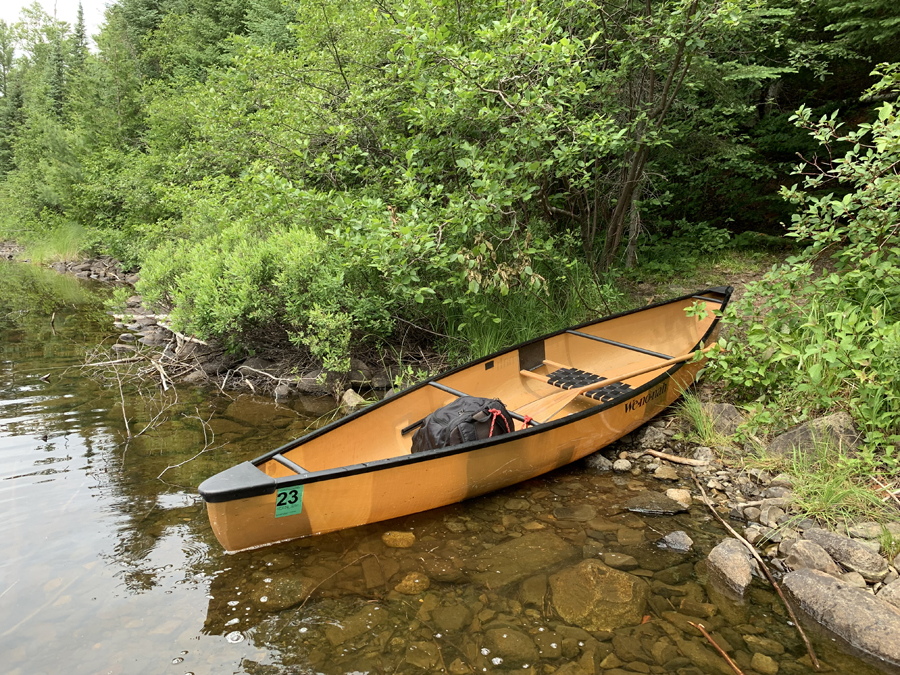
109	565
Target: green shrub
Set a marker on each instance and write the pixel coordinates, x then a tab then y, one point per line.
823	330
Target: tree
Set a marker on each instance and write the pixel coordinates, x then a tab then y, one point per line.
7	54
79	49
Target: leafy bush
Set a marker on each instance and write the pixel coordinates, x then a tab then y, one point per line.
680	249
823	330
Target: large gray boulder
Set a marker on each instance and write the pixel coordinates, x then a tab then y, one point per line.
849	553
596	597
891	593
837	429
730	567
725	417
866	622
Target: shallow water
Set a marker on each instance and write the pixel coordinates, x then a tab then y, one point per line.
109	564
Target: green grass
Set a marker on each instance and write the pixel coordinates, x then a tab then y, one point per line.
690	410
525	314
831	486
65	242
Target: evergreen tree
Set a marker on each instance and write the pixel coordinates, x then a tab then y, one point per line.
12	114
56	77
7	52
79	40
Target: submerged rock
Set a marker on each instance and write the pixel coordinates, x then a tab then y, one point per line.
731	566
283	592
413	584
361	622
581	513
849	553
596	597
398	539
452	618
654	503
422	654
677	541
513	646
683	497
865	621
519	558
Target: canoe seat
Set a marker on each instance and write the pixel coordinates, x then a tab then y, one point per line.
573	378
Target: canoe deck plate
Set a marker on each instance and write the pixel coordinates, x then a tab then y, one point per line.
572	378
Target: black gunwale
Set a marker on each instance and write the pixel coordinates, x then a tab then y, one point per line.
402	460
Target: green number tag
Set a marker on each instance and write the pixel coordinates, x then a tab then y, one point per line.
290	501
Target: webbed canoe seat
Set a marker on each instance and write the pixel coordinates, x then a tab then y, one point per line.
573	378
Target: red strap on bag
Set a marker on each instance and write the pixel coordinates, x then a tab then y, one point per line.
494	415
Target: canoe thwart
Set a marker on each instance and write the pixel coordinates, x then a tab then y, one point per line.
293	466
703	297
639	350
239	482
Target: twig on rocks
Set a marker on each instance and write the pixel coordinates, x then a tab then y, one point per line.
676	459
765	569
886	489
721	651
182	336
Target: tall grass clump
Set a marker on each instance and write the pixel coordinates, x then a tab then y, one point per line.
691	411
832	486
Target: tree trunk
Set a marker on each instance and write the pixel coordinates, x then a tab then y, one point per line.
634	227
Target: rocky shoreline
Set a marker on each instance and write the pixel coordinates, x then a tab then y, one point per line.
846	581
279	373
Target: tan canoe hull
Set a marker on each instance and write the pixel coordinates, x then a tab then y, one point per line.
390	493
359	470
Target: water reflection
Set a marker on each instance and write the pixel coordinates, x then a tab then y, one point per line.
109	564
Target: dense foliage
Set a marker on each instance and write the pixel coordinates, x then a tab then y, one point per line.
358	174
825	328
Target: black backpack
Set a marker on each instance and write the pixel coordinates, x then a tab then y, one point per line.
467	419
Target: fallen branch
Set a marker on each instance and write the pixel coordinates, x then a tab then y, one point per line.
162	375
676	459
721	651
130	359
122	401
765	569
260	372
207	442
182	336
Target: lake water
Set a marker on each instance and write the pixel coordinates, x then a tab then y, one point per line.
109	565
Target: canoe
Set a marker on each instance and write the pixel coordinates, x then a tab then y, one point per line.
360	469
